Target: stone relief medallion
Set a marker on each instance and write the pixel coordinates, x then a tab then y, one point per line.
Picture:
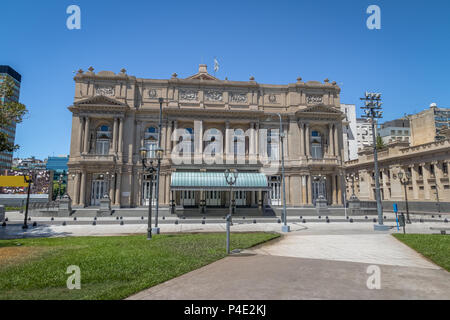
214	95
104	91
272	98
152	93
314	99
238	97
188	95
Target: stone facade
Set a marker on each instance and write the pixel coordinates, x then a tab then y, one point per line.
115	115
428	165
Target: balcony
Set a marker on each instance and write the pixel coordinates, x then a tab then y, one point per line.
323	162
97	158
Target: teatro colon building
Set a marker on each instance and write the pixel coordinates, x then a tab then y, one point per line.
208	125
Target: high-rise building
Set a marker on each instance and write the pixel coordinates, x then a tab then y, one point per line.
10	73
426	125
349	132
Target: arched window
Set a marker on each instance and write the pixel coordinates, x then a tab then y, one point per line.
151	141
273	144
212	141
103	140
239	142
316	145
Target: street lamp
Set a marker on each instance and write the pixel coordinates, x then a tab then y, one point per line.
372	110
285	227
160	100
151	170
404	180
29	180
231	176
60	180
354	178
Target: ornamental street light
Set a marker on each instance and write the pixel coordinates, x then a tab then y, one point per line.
372	110
285	227
353	179
151	170
29	180
404	180
156	229
231	176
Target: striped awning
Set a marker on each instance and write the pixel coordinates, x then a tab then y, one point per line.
216	181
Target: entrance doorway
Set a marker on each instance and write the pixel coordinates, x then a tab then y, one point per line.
187	198
146	191
240	197
275	190
318	188
213	198
99	189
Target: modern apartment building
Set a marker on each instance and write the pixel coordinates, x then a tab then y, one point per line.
426	126
6	158
364	133
349	132
395	130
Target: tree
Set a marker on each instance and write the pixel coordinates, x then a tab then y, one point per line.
10	112
380	143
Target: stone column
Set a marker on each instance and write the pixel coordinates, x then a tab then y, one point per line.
414	177
228	137
303	199
83	189
86	136
198	141
252	142
257	139
333	189
168	143
120	142
336	141
426	185
114	140
302	138
307	142
76	184
111	188
80	140
339	189
330	140
309	178
117	198
167	188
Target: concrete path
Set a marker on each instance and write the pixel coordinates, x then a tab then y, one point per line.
312	267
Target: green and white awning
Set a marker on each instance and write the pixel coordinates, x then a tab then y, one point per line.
216	181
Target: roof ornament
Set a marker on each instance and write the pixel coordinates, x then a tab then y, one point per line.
252	78
326	80
174	75
91	69
123	70
299	79
80	71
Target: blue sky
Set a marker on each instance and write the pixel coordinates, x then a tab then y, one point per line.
275	41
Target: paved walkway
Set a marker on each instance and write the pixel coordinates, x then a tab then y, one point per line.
312	267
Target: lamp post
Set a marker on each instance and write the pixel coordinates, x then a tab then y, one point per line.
29	180
151	170
285	227
372	110
344	180
404	180
231	176
156	229
60	180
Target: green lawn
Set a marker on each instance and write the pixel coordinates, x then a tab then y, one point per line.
435	247
111	267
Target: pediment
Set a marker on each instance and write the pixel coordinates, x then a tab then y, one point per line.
100	100
202	76
320	109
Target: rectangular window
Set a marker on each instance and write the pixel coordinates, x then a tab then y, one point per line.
445	168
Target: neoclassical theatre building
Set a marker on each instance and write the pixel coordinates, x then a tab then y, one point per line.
234	123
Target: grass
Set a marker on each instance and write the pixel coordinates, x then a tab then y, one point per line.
13	208
111	267
435	247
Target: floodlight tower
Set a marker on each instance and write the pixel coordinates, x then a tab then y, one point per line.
372	110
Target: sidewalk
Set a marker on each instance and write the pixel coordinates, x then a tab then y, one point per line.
312	267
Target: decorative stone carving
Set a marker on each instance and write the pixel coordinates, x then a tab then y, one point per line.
272	98
188	95
238	97
152	93
313	99
104	91
213	95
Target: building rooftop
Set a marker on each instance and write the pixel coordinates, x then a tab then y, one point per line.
13	73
